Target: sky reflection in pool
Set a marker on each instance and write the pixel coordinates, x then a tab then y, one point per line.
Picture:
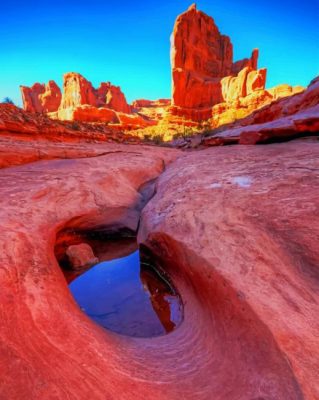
128	297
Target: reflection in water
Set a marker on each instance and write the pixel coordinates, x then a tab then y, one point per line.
128	297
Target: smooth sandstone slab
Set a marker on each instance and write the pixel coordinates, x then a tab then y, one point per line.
242	224
48	348
237	230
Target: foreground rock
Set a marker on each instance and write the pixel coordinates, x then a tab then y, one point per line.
238	228
48	347
24	134
235	232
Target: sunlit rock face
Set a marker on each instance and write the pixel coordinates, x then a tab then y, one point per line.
201	56
204	74
79	100
41	97
77	92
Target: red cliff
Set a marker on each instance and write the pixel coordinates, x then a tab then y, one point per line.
206	83
201	56
41	98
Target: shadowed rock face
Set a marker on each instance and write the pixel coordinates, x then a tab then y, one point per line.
235	228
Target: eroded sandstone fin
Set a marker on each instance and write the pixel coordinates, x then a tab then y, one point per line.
202	61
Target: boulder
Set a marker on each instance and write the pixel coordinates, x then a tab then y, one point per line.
81	256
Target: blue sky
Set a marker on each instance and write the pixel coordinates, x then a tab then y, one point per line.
127	42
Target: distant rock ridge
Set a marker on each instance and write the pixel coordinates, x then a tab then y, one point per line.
77	92
207	85
41	98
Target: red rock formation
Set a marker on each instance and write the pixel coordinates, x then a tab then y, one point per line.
112	97
80	101
284	90
245	83
41	98
283	119
206	84
37	132
77	91
200	58
200	55
88	113
134	121
251	62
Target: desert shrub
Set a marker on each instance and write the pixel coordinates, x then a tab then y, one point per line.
157	139
188	131
7	100
75	126
177	135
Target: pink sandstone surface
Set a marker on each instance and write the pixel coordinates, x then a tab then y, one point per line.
238	238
